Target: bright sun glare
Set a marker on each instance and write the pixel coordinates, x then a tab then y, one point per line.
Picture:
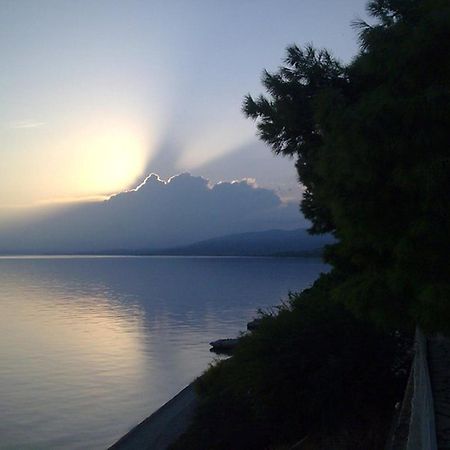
86	160
109	160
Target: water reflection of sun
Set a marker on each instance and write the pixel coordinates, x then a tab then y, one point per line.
81	334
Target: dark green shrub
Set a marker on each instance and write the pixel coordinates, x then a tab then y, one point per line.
310	369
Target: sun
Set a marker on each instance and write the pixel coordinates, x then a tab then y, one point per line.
111	160
108	159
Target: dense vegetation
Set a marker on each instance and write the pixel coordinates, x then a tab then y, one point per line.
371	146
310	371
371	149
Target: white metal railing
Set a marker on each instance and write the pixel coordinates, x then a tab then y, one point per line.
422	428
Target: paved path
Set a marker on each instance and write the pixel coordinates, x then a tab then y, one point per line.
161	429
439	366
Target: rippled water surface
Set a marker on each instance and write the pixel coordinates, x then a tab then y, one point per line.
91	346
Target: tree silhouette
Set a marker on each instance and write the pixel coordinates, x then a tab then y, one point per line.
371	145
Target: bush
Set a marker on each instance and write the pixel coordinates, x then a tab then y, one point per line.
311	369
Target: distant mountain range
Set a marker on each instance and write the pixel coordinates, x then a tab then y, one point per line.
261	243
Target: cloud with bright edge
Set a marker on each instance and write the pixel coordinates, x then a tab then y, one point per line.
156	214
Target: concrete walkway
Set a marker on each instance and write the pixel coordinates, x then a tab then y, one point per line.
164	426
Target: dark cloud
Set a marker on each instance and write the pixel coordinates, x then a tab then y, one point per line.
156	214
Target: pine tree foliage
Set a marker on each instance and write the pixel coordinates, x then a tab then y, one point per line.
370	140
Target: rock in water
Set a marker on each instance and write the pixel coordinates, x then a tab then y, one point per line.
225	346
254	324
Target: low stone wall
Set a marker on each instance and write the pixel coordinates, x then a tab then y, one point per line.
164	426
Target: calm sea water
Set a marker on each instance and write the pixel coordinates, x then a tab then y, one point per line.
91	346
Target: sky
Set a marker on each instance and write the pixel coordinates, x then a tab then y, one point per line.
96	95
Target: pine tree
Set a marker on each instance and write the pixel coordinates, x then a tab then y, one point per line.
371	145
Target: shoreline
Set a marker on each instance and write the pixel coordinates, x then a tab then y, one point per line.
164	426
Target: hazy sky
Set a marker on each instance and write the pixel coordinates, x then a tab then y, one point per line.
97	94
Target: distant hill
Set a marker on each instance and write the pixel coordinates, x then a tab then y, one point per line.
259	243
262	243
